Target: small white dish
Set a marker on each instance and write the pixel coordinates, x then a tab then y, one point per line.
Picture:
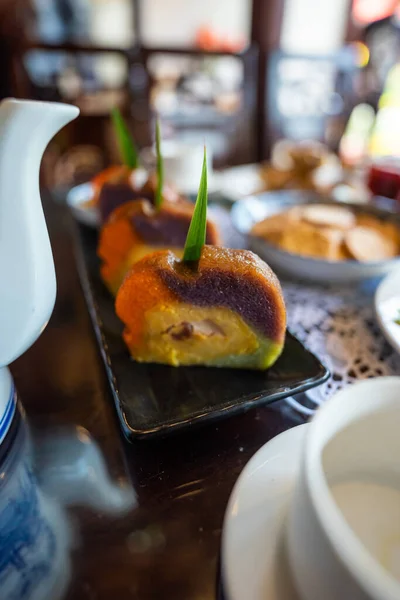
387	308
255	208
182	165
254	565
240	181
190	187
77	199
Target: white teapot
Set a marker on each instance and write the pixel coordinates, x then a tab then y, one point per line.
27	276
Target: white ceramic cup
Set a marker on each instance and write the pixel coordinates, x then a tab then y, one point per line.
353	438
182	163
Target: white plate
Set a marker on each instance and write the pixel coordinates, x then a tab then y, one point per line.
387	308
254	565
250	210
77	198
238	182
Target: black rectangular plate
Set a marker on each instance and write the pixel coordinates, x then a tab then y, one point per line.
157	399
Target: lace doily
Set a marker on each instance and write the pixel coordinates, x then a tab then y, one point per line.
337	324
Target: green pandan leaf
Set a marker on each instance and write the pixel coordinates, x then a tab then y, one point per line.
127	146
196	236
160	169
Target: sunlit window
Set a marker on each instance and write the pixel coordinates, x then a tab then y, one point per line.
313	26
98	22
209	24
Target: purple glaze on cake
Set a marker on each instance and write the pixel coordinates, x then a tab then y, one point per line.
242	292
113	195
167	227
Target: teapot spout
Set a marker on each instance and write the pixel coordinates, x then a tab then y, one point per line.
27	276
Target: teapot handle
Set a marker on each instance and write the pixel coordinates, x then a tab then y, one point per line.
70	468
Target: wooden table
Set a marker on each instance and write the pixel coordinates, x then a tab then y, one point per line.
168	546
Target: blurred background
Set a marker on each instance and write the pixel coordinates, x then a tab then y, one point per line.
236	74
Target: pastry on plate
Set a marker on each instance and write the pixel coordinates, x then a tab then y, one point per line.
300	166
216	306
121	183
140	227
123	186
137	228
228	312
367	244
331	232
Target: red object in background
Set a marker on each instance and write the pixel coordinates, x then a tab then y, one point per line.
384	179
208	40
368	11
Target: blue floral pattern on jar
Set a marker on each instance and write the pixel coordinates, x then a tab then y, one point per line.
34	563
27	542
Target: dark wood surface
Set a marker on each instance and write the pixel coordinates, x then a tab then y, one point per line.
168	546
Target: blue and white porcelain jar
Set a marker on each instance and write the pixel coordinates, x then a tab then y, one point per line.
38	481
34	532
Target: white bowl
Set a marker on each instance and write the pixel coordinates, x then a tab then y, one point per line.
182	165
250	210
387	308
352	441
